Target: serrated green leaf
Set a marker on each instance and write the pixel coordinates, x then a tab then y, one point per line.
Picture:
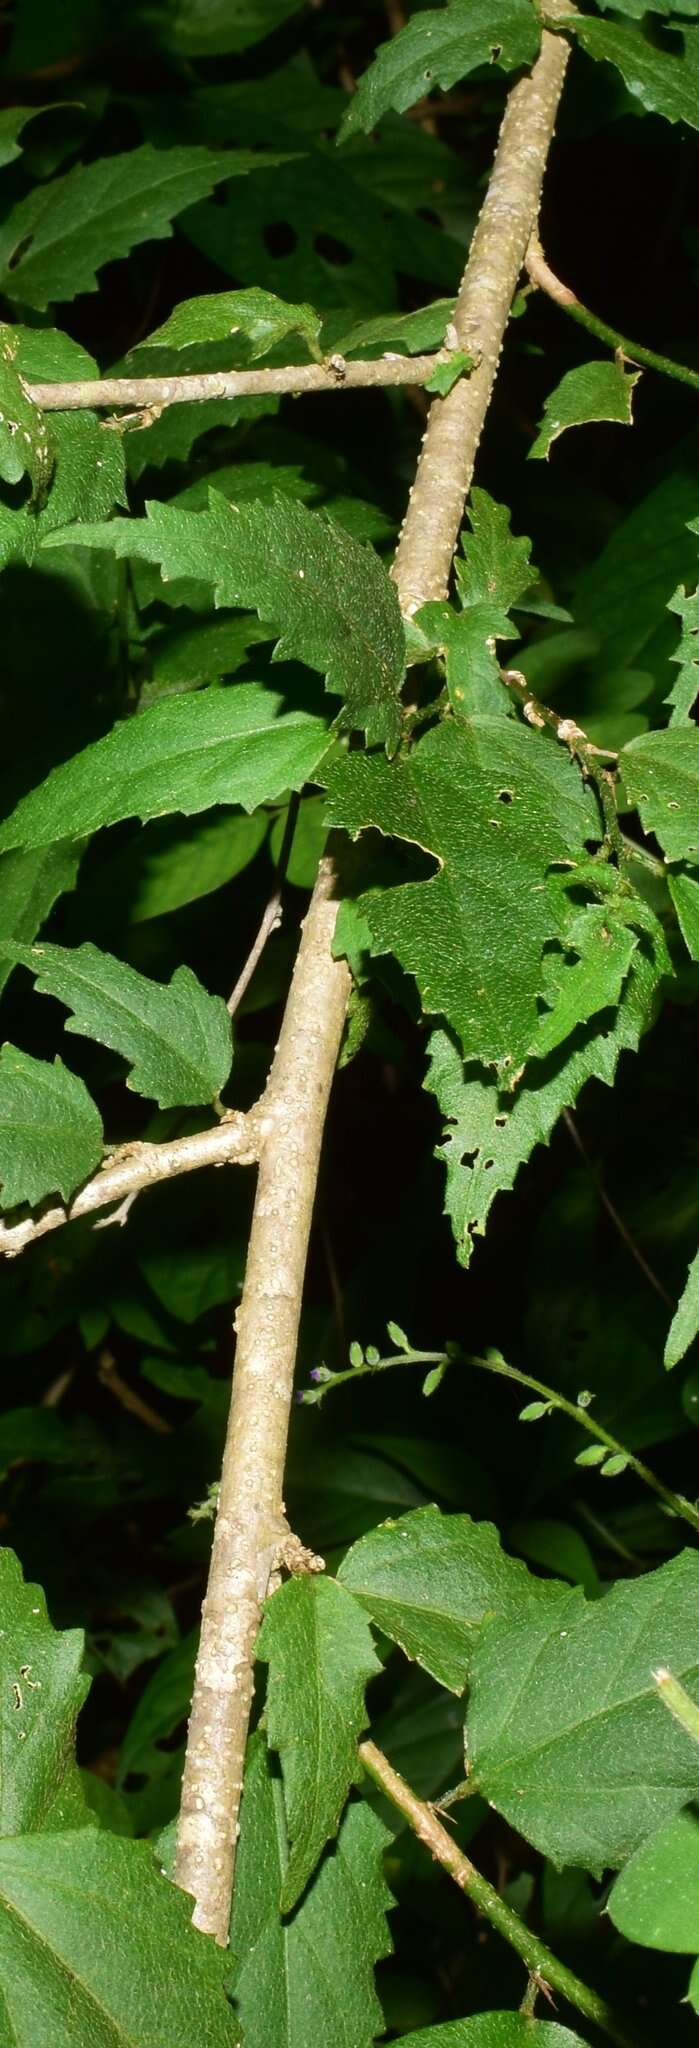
404	333
661	775
305	1981
686	685
494	564
93	1942
430	1581
177	1039
566	1734
604	945
58	237
656	1899
320	1652
260	317
684	890
592	391
489	1134
489	800
440	47
26	440
666	81
12	121
42	1690
331	601
50	1129
685	1322
493	2030
30	883
492	572
219	746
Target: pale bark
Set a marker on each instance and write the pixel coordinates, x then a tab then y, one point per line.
142	1165
250	1526
455	423
155	393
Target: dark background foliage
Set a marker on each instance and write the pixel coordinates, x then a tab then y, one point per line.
117	1342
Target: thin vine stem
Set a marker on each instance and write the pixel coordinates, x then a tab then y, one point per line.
544	1967
545	279
493	1362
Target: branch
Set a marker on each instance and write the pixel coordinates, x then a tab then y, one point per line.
154	393
250	1513
272	913
508	216
634	351
236	1139
541	1963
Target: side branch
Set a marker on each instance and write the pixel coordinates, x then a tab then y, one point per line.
250	1522
236	1139
544	1967
157	392
508	216
545	279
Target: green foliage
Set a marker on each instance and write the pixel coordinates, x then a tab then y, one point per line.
59	236
519	910
486	800
320	1654
176	1039
430	1581
594	391
308	1978
50	1129
561	1698
494	2030
94	1940
439	47
221	746
309	581
685	1322
663	79
661	773
258	316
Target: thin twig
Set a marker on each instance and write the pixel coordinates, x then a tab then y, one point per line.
508	217
155	393
589	757
613	1213
128	1397
235	1140
250	1513
271	917
540	1961
326	1381
545	279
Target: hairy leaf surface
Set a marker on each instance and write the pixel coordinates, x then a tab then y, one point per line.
177	1039
320	1653
430	1581
592	391
494	2030
260	317
490	801
307	1980
665	80
59	236
94	1942
661	773
656	1898
330	600
31	880
220	746
566	1734
50	1129
439	47
489	1132
43	1688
